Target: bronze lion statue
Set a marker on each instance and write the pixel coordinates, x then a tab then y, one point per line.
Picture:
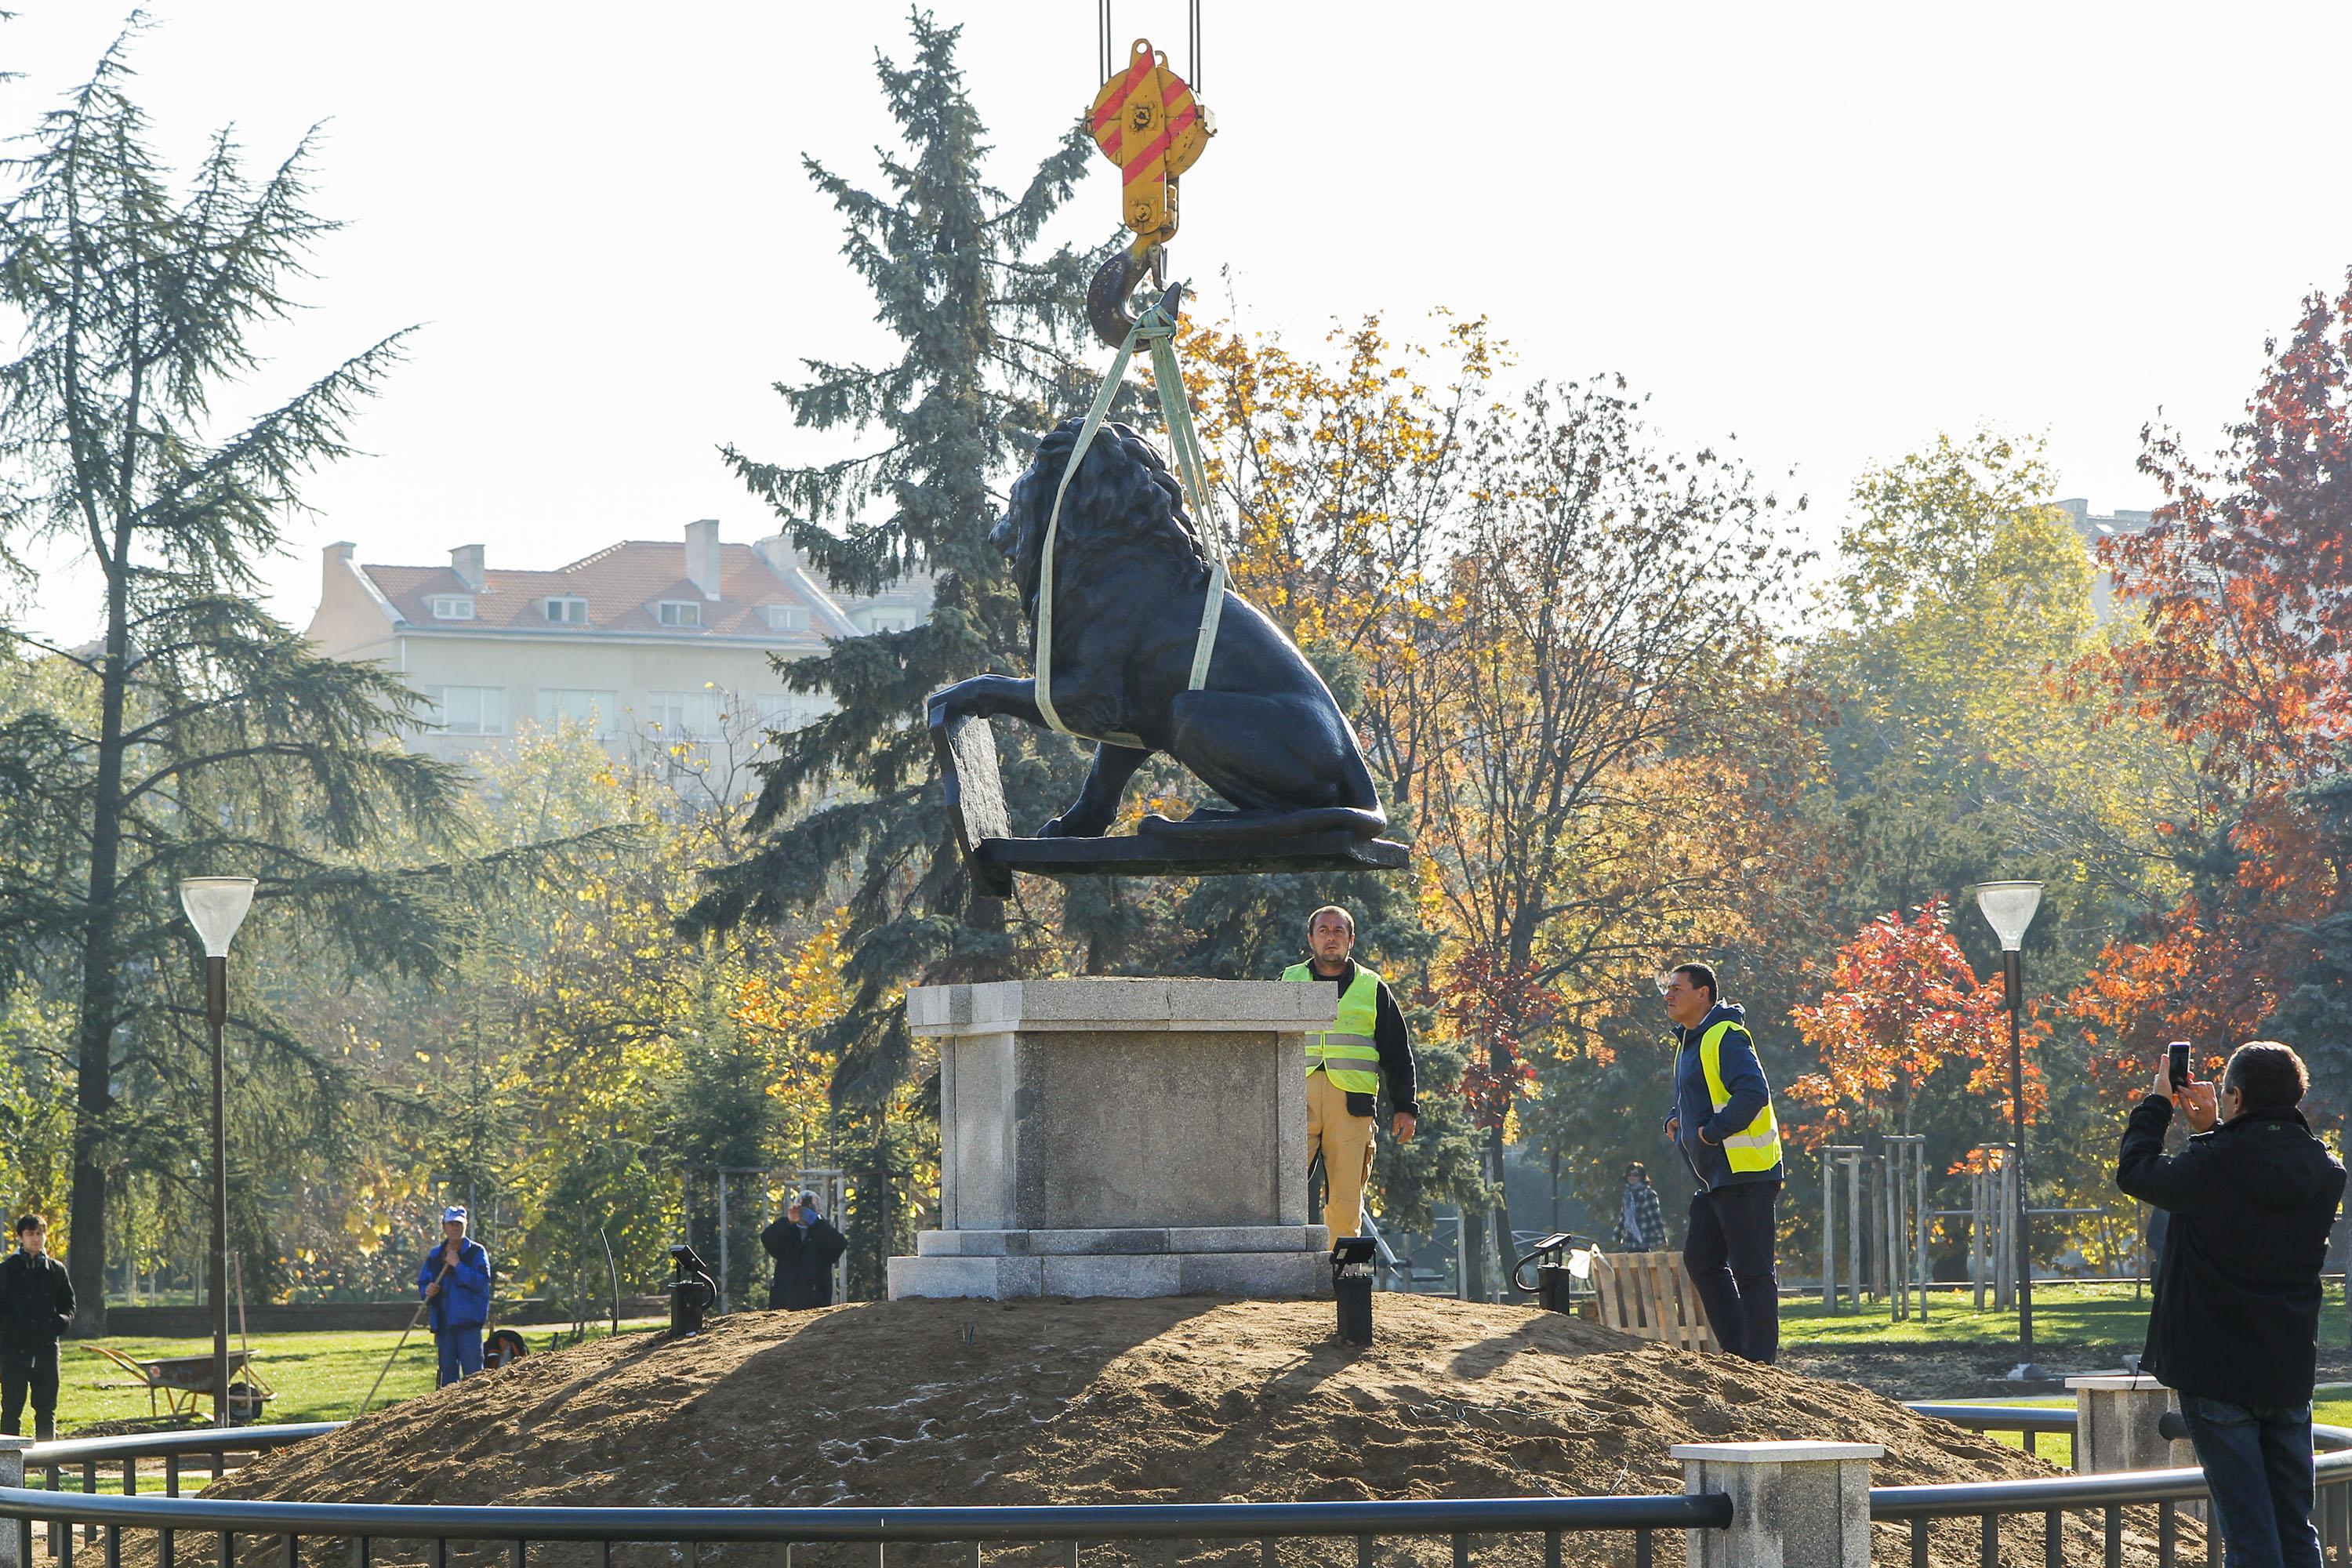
1129	575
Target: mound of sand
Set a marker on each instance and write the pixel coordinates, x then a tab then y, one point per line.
1188	1399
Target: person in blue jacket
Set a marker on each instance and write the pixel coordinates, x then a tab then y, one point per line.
456	1281
1722	1122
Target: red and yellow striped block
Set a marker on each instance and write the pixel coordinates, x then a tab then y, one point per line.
1147	122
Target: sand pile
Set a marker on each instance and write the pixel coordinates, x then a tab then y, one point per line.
1190	1399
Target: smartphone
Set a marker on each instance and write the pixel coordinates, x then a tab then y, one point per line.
2180	1063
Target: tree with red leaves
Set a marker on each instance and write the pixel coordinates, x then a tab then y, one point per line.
1904	1011
2244	582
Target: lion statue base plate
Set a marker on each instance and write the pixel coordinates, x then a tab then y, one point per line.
975	796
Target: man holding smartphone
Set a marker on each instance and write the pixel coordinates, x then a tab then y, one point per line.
2236	1325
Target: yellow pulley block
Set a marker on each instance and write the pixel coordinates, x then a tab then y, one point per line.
1148	122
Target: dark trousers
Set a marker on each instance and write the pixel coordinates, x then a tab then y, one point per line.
1729	1252
2257	1461
461	1353
33	1373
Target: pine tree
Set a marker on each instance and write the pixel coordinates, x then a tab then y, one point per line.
986	326
986	314
198	735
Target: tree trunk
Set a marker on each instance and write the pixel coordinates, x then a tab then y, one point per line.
100	981
1498	1223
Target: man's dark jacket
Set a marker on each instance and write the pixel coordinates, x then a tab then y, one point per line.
1391	1038
1695	1112
37	1304
2236	1316
805	1260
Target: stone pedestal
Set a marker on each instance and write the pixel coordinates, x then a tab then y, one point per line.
2115	1424
12	1475
1120	1138
1793	1505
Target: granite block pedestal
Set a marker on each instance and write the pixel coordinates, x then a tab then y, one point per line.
1120	1138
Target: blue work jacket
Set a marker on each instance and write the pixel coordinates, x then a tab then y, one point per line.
465	1299
1743	1080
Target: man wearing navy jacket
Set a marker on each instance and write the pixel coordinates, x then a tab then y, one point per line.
456	1280
1722	1122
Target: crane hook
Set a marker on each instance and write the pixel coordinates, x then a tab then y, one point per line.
1115	283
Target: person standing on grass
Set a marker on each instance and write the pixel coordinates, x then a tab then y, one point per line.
456	1280
36	1306
1641	1218
1722	1122
2234	1327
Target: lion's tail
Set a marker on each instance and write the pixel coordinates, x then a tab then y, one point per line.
1251	826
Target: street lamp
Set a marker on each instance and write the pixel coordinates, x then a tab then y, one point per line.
217	907
2008	908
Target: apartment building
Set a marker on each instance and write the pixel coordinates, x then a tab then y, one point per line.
2092	528
650	642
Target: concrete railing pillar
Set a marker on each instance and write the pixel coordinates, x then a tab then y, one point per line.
1793	1505
2115	1424
12	1473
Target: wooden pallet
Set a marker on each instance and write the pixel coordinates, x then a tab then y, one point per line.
1649	1295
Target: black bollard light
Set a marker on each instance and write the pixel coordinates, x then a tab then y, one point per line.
1351	1285
691	1292
1563	1267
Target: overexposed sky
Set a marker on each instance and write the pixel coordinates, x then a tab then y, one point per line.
1831	230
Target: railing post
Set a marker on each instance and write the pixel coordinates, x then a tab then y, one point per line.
1793	1505
12	1473
2115	1424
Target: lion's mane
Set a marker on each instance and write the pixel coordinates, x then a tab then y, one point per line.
1123	498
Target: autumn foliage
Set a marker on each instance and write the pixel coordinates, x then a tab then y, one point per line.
2244	583
1903	1015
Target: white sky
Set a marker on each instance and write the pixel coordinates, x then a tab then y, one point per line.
1829	229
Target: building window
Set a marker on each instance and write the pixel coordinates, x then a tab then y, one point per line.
688	715
452	607
597	710
787	711
681	613
568	612
466	709
786	618
886	620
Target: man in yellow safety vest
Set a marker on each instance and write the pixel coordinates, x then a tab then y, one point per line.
1722	1121
1345	1065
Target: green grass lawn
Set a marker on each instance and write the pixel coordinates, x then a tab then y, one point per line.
317	1376
2090	1316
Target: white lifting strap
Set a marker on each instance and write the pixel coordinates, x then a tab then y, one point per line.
1155	328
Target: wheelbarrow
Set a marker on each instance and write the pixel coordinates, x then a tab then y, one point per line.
183	1380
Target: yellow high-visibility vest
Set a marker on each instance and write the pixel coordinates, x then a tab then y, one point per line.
1757	1147
1338	1050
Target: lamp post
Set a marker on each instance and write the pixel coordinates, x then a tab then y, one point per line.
2008	908
217	907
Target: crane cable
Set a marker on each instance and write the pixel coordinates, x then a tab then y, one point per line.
1192	41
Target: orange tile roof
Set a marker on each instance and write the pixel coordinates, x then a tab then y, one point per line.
624	585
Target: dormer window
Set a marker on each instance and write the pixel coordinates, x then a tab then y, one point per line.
681	613
566	612
785	618
452	607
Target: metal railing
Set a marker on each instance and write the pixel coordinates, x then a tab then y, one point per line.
212	1443
1987	1503
54	1518
364	1525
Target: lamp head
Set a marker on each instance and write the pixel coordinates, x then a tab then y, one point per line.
2008	908
217	907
